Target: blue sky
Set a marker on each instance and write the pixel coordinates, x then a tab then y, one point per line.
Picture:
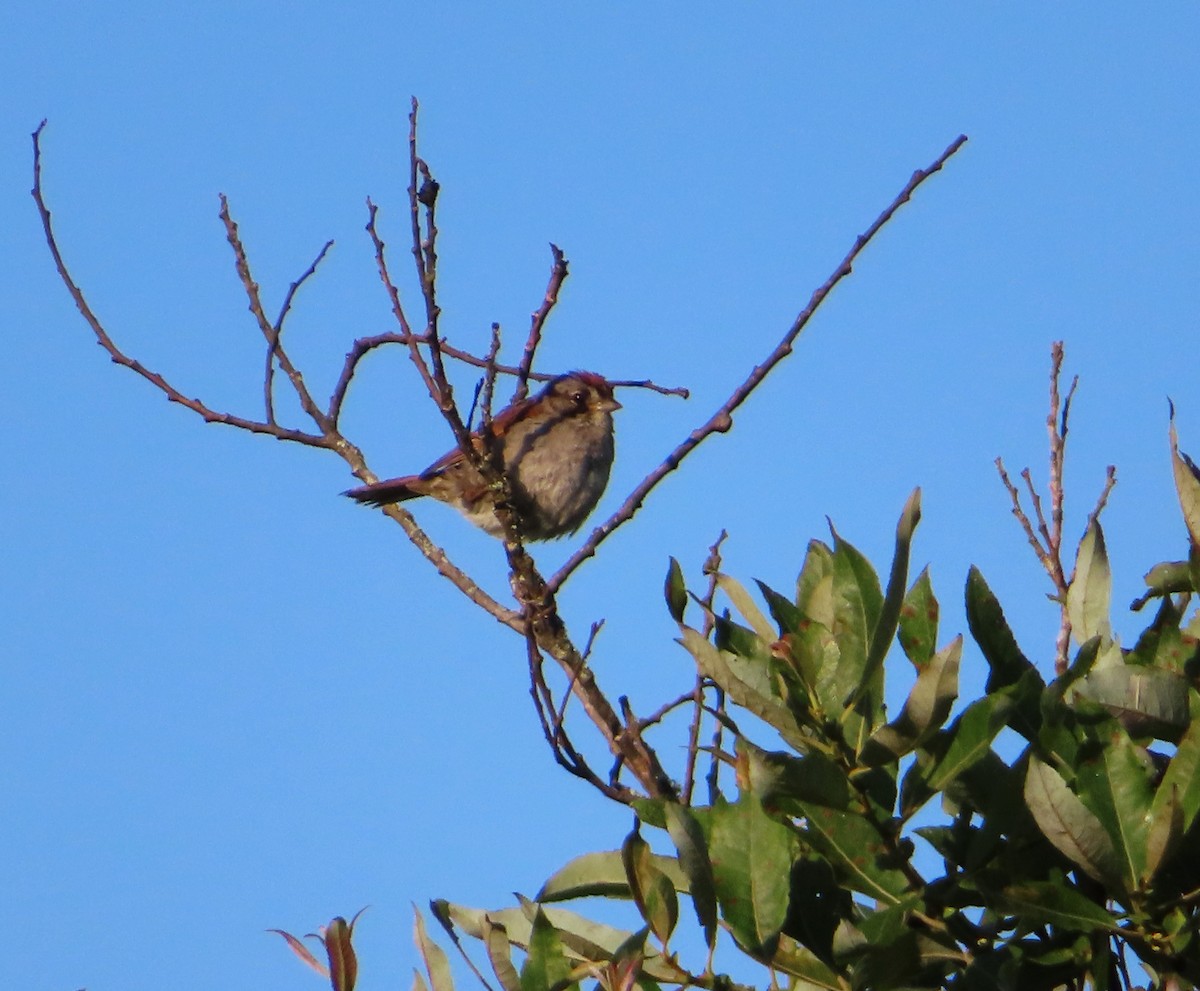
235	701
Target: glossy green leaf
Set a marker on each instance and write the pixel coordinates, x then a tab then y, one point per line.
919	621
925	710
546	965
602	874
751	857
675	591
688	837
1164	579
1187	484
1056	903
1089	596
1069	825
990	630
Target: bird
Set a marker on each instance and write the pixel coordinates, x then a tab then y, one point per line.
558	452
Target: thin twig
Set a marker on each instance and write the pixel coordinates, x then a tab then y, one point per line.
558	274
269	331
722	419
277	331
119	357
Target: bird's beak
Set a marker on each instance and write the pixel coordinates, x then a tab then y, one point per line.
609	405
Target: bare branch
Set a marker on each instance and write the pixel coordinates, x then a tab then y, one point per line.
269	330
208	414
722	419
558	274
272	342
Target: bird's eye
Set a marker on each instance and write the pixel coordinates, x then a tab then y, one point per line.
578	398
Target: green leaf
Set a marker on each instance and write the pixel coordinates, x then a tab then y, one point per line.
751	858
1118	789
546	966
747	681
1183	775
969	739
1163	579
776	778
919	621
785	613
854	850
811	973
653	892
1089	596
888	616
745	605
689	840
601	874
1145	701
925	710
1069	825
675	591
989	628
1056	903
1187	484
1165	832
814	586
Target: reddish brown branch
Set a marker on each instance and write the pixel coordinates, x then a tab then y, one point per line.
558	275
722	419
273	340
208	414
269	331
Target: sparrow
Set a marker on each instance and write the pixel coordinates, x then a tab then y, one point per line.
558	451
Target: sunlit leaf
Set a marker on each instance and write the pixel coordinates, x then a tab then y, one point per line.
499	951
437	966
1089	596
745	604
601	874
1118	789
1146	701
